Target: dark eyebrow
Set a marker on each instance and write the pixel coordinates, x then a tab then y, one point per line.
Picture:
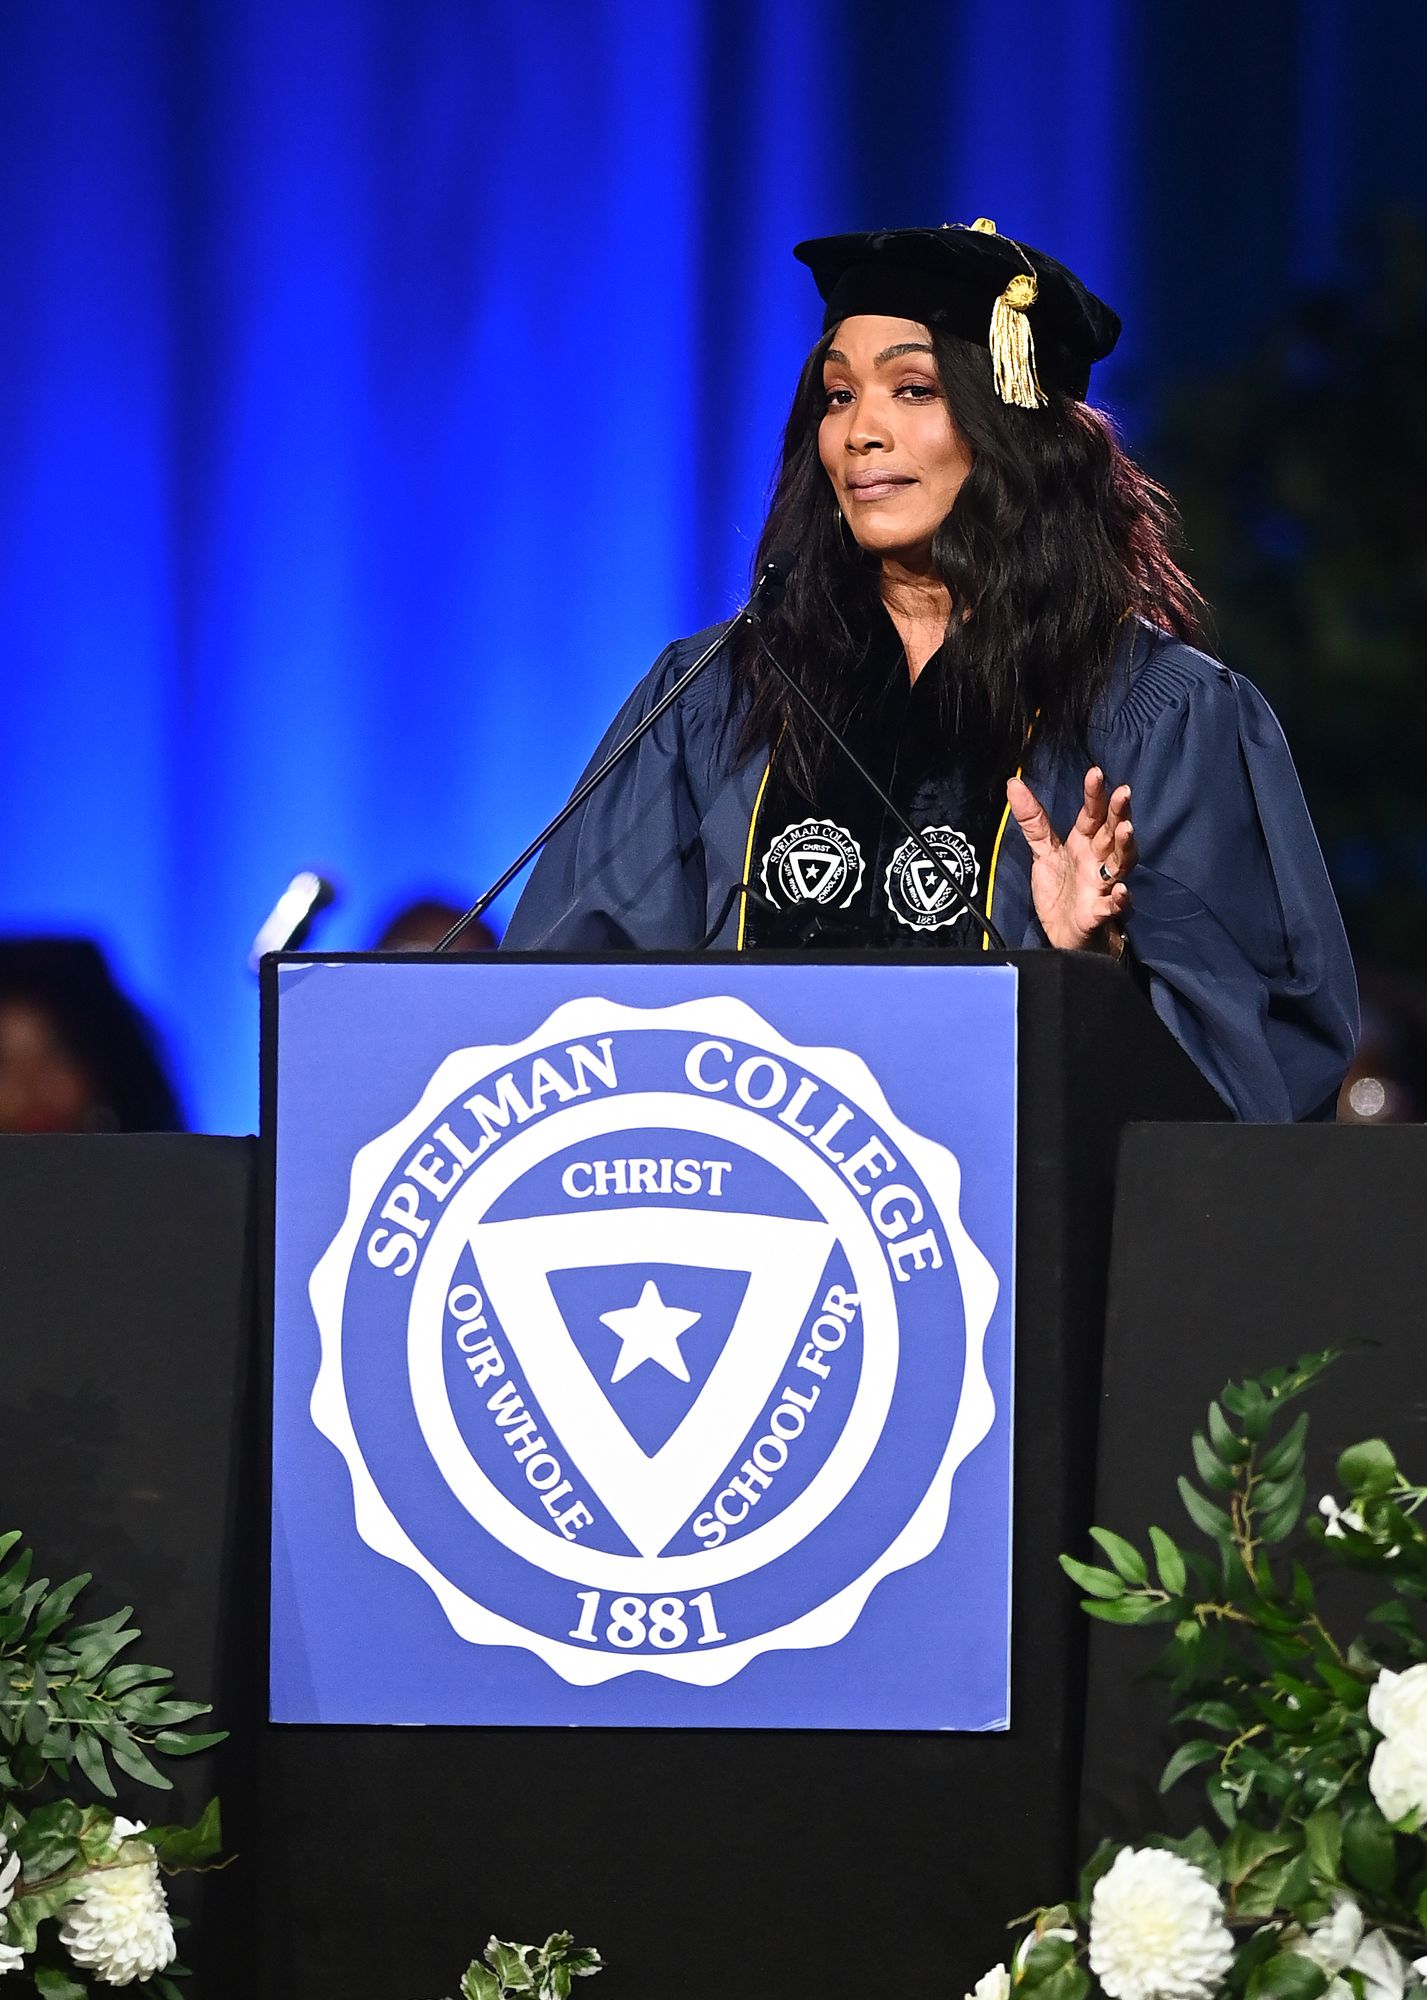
887	354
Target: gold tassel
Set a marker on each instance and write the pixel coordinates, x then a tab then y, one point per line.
1013	347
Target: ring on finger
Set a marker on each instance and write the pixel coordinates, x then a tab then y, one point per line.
1107	874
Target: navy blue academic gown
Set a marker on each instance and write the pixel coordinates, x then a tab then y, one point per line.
1234	925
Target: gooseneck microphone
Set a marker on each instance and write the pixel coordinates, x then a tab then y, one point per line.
767	592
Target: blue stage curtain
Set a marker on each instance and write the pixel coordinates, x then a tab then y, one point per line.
383	382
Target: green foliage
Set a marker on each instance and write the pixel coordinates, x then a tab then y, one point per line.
72	1715
1273	1706
544	1972
1299	474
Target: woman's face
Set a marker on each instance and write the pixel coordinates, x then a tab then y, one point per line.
887	439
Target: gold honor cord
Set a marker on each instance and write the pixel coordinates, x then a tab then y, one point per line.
1001	834
748	853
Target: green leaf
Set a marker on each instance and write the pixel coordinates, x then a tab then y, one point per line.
557	1981
16	1577
89	1755
26	1913
180	1743
1168	1561
1369	1851
1350	1688
1124	1611
52	1984
1205	1516
150	1708
509	1962
1287	1976
1251	1406
1099	1582
1216	1714
1308	1702
1186	1758
119	1680
1279	1517
1215	1475
187	1846
1250	1847
1297	1884
1125	1557
478	1984
56	1606
49	1842
1230	1448
1100	1862
1044	1959
134	1764
96	1832
1287	1455
1368	1467
1250	1954
1071	1982
1396	1614
1323	1840
94	1646
1259	1896
584	1962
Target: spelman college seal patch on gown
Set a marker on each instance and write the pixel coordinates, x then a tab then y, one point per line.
813	861
814	890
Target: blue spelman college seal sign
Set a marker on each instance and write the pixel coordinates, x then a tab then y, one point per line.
657	1345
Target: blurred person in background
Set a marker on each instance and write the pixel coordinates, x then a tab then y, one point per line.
420	926
76	1055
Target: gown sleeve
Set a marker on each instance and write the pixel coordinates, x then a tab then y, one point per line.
1234	921
625	872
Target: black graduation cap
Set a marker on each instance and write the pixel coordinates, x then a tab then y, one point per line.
1035	316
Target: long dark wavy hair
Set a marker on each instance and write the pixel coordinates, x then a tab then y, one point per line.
1054	536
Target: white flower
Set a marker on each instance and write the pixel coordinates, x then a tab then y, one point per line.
11	1957
1340	1517
118	1925
1397	1709
1331	1942
1383	1969
992	1985
1337	1944
1156	1929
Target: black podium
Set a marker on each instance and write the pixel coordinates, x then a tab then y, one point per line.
374	1862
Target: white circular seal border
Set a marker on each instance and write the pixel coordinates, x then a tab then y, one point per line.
462	1070
834	834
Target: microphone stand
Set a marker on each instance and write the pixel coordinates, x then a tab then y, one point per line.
766	593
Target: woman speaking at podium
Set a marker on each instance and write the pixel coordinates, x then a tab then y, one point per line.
982	605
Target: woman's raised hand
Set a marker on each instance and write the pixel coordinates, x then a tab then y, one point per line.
1078	884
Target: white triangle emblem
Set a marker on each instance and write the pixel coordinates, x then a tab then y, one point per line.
811	872
652	1495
